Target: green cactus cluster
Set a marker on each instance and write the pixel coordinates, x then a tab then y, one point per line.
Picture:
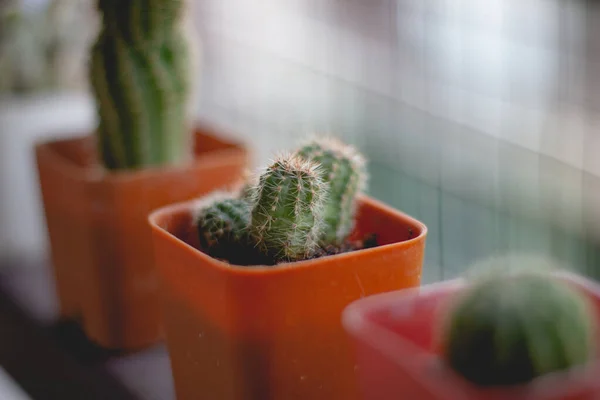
140	74
510	329
300	203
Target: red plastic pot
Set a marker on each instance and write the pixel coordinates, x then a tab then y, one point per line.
395	333
238	333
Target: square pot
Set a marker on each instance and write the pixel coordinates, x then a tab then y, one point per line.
398	357
274	332
101	244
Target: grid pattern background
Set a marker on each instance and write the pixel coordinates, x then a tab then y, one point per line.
479	118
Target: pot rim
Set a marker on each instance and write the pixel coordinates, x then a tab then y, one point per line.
96	172
158	216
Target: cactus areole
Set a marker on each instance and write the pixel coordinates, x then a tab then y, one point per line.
139	71
512	329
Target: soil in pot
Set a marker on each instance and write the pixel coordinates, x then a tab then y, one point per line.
247	255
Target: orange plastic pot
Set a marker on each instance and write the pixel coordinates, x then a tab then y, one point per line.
274	332
398	352
100	241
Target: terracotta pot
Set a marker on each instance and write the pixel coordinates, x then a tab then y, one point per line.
274	333
100	240
398	354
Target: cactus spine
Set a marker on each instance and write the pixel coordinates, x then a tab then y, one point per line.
344	170
140	66
512	329
287	209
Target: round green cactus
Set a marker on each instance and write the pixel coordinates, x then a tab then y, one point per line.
514	328
287	209
223	220
140	75
222	224
344	170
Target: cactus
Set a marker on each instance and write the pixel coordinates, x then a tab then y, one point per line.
222	224
139	72
511	329
287	209
344	169
223	221
511	263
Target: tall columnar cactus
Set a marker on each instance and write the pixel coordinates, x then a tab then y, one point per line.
508	330
287	209
140	73
344	169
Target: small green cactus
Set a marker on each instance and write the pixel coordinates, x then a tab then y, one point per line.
287	209
222	223
140	73
285	213
344	170
511	329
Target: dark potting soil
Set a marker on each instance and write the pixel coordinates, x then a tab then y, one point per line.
248	256
368	241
